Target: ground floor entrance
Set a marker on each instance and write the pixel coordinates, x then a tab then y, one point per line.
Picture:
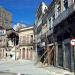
26	53
67	54
64	55
60	55
51	55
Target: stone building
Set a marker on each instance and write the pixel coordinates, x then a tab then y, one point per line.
60	20
5	18
15	44
26	45
8	43
40	28
64	30
5	24
2	42
7	35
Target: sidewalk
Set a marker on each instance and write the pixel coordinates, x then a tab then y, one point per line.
58	71
54	70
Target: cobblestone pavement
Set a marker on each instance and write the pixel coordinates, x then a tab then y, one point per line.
27	67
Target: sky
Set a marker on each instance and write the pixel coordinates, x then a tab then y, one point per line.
22	10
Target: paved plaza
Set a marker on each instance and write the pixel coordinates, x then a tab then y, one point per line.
27	67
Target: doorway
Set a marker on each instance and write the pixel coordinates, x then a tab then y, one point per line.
23	54
51	55
60	55
67	54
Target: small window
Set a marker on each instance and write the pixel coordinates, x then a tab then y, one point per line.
23	48
11	55
53	17
6	54
0	40
50	23
31	35
59	9
31	48
66	4
20	50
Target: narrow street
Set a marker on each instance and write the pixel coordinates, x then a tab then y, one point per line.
27	67
22	67
37	37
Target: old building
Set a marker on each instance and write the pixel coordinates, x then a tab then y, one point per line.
2	42
8	43
15	44
41	28
12	45
7	36
54	31
5	18
26	45
63	32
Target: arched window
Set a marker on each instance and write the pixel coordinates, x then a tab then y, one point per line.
66	4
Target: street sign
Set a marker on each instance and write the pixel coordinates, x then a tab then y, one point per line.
72	42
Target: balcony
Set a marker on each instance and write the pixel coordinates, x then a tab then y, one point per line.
26	43
64	15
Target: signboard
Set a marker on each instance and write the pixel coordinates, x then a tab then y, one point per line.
72	42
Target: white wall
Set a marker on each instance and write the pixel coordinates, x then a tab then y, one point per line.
43	7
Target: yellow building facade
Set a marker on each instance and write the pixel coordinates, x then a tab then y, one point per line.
26	36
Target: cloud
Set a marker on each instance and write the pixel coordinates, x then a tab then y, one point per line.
18	26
